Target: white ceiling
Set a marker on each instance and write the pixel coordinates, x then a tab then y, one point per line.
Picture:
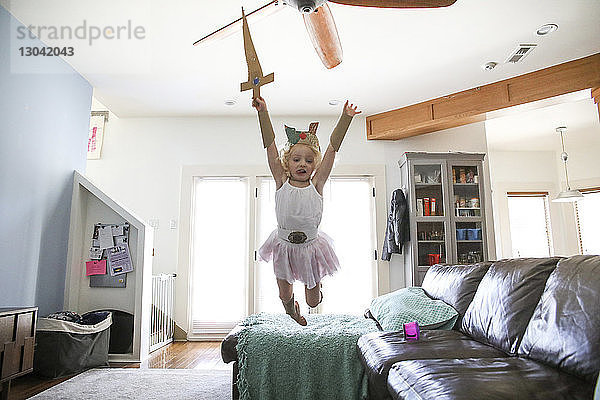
392	58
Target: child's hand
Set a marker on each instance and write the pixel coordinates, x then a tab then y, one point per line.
351	110
259	103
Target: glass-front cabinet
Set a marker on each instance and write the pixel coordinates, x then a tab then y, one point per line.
447	216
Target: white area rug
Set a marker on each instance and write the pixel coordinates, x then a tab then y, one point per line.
146	384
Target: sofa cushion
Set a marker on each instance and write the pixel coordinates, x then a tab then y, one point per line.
378	351
565	328
484	378
454	284
505	300
394	309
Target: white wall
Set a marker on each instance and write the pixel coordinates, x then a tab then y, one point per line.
523	171
583	147
532	171
44	120
142	160
524	150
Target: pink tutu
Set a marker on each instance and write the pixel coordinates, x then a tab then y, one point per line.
306	262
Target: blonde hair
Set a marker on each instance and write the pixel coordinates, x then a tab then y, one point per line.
284	156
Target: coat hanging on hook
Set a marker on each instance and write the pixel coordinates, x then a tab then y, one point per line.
398	228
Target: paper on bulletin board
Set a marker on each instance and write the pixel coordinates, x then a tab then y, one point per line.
96	253
105	237
95	267
119	260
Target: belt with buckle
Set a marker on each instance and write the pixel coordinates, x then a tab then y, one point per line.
297	237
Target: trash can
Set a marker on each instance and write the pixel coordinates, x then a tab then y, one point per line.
67	343
121	332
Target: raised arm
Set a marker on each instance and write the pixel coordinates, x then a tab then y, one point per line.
268	137
322	174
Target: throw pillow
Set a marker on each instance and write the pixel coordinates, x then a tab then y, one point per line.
394	309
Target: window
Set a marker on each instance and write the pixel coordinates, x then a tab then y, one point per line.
587	215
529	224
349	218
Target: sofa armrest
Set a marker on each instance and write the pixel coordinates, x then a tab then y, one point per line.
368	315
228	345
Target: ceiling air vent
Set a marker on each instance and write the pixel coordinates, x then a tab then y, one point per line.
520	53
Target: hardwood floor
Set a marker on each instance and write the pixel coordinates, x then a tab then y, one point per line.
178	355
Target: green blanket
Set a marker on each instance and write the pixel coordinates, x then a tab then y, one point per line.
279	359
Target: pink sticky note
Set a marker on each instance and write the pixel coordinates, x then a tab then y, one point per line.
95	267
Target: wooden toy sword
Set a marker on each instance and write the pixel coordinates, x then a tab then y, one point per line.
255	74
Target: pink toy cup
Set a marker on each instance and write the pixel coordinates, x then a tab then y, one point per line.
411	331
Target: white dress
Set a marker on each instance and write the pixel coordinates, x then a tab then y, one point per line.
299	212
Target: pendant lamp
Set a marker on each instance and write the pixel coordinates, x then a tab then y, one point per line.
566	196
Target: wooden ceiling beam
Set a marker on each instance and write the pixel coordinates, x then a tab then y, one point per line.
471	105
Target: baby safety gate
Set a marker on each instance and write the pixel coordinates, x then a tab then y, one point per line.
162	323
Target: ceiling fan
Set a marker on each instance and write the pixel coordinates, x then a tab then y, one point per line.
319	21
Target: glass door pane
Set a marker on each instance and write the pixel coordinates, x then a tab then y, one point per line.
429	190
469	242
220	248
431	226
349	218
431	240
467	217
465	186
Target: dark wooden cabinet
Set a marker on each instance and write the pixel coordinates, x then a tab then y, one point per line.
17	341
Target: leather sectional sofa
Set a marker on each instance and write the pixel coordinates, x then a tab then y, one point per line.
527	329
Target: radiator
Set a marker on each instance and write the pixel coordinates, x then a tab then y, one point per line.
162	322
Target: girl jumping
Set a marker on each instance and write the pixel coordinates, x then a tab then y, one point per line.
298	249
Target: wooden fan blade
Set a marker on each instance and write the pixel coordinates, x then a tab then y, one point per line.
232	27
324	36
396	3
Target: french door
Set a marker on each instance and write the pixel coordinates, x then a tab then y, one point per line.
233	216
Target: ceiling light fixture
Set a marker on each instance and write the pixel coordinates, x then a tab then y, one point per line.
566	196
334	102
230	102
546	29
